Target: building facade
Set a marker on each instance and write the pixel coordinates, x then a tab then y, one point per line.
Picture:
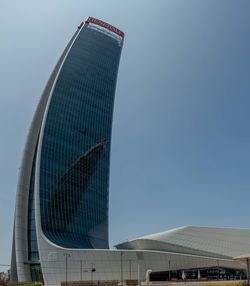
62	193
61	216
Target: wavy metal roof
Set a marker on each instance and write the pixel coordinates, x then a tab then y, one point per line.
195	240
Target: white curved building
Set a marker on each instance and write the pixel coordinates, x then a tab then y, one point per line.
61	216
225	243
62	192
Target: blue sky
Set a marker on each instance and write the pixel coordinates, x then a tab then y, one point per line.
180	146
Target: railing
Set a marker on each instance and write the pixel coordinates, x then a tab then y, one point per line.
91	283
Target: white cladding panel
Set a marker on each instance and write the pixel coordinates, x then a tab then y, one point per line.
208	241
108	263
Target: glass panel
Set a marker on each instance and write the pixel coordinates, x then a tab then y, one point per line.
36	273
74	174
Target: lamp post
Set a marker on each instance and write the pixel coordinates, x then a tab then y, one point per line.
247	270
138	274
81	269
218	270
66	267
169	274
121	269
92	272
130	260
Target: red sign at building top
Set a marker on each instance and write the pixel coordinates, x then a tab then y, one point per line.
105	25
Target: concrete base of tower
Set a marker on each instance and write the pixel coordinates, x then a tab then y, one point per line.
61	265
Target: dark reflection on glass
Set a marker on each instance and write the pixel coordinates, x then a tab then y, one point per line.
76	179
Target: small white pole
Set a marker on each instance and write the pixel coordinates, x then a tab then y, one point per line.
121	269
138	268
247	271
81	270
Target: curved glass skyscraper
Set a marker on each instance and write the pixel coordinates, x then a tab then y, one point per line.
61	215
62	194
